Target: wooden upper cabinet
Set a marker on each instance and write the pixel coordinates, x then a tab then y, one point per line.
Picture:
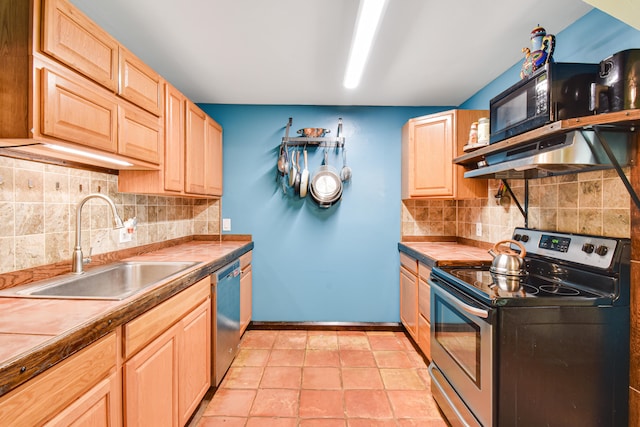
139	83
139	134
73	39
213	154
76	112
174	130
429	145
195	157
203	170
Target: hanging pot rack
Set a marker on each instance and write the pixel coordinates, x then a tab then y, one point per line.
324	141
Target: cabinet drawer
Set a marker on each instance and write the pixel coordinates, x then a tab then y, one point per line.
139	83
409	263
72	38
33	402
74	112
139	134
424	299
245	260
424	271
143	329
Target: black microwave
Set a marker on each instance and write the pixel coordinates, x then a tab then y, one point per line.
557	91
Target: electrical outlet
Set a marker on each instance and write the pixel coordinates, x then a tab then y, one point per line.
479	229
125	236
226	224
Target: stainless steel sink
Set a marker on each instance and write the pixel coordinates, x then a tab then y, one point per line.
112	282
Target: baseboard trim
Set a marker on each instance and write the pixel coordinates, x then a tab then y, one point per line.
324	326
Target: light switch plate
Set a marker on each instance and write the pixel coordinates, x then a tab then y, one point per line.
479	229
226	224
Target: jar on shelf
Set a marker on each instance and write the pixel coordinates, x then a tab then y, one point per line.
473	133
483	130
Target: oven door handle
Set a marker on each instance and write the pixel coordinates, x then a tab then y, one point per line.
474	311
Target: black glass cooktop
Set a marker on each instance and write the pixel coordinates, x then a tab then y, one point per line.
482	282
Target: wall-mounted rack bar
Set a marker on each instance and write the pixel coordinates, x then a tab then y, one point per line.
324	141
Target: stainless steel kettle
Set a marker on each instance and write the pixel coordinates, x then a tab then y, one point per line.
506	260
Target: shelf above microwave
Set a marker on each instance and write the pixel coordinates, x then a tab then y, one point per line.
626	119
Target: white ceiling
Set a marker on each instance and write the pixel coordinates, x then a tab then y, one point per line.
426	53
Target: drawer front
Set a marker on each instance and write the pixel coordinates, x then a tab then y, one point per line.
424	271
409	263
74	112
245	260
72	38
146	327
32	402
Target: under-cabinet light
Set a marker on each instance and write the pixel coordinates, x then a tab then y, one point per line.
369	16
88	154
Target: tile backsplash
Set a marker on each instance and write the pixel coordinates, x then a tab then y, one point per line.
590	203
38	214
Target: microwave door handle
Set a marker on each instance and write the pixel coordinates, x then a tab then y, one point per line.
475	311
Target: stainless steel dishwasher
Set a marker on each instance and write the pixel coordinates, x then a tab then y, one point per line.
225	292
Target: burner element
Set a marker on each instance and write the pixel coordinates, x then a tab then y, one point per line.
559	289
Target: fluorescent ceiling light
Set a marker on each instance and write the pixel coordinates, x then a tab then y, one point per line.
369	16
89	155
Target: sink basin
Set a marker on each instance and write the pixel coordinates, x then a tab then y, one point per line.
112	282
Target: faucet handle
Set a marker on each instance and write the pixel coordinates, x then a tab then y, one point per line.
87	259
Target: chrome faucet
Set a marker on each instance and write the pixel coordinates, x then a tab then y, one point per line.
78	259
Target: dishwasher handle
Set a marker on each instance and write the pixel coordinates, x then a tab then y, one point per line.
230	270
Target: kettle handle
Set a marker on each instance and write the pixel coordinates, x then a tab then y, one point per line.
495	249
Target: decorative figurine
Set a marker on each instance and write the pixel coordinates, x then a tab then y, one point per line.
541	52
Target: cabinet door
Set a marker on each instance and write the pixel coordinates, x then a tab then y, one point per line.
72	38
139	133
409	301
74	112
424	336
151	383
432	155
213	159
194	363
99	407
139	83
174	135
195	154
246	290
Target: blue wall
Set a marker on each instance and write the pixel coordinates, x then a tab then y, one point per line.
341	264
312	264
590	39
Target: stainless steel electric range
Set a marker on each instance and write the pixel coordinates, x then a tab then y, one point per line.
547	347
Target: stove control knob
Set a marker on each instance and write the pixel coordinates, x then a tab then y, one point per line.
602	250
517	237
525	238
588	248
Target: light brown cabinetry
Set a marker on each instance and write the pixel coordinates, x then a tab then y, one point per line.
415	301
203	170
424	309
246	290
429	145
409	294
191	163
61	85
168	359
84	387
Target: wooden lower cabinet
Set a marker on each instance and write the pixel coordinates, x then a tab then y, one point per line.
166	378
246	291
84	387
99	407
415	303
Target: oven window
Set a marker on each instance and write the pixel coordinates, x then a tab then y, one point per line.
460	338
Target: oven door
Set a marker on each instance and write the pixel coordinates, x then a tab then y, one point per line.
462	350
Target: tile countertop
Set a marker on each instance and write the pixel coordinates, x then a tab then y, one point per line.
445	253
36	333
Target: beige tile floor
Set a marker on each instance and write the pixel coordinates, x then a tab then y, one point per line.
325	379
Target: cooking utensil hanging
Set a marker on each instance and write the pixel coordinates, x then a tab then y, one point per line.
304	178
345	173
325	186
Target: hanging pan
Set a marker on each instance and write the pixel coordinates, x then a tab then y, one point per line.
325	187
